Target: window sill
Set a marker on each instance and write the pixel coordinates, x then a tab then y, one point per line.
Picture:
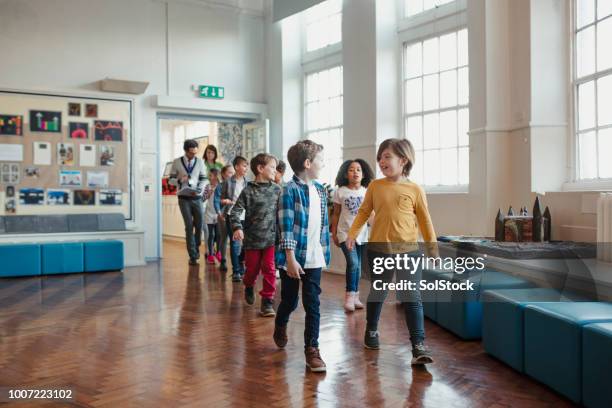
588	185
463	189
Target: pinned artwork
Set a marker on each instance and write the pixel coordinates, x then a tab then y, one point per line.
74	109
107	156
70	178
32	172
111	197
31	196
58	197
42	153
10	173
78	130
97	179
87	155
65	154
84	197
45	121
108	131
91	110
11	125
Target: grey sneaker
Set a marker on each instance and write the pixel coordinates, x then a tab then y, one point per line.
249	295
370	340
267	308
421	355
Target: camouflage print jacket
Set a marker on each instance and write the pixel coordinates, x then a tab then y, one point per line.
259	201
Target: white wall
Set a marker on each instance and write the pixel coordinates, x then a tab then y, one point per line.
69	45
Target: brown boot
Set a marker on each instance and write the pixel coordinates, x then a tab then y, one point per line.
280	336
314	361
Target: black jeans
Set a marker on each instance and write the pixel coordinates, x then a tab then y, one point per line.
192	212
311	289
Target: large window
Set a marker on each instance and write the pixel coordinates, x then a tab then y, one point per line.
323	24
414	7
436	101
324	116
593	88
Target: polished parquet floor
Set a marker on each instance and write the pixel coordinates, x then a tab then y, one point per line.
166	335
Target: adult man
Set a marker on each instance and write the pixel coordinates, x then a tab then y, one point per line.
188	174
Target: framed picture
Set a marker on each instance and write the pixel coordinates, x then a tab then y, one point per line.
78	130
108	131
74	109
84	197
11	125
107	155
45	121
65	154
91	110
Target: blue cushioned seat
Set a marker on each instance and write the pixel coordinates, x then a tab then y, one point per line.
461	311
502	320
103	256
429	298
597	365
19	260
62	258
553	342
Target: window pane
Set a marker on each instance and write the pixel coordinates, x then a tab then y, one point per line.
324	113
431	94
448	129
588	155
585	52
334	29
605	149
430	56
448	89
448	51
414	131
462	47
431	167
464	166
604	100
604	49
448	160
431	131
414	60
585	12
335	82
429	4
312	90
413	7
463	84
335	111
312	116
324	85
586	105
464	127
414	96
416	174
604	8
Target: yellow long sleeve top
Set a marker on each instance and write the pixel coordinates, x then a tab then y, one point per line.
400	212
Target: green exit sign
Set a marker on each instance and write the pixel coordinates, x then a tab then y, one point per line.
214	92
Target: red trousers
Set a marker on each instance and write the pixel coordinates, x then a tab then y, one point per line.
260	260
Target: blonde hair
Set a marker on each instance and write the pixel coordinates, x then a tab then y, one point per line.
401	147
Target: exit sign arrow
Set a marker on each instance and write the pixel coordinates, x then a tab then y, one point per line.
212	92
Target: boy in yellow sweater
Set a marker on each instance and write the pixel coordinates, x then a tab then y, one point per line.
400	207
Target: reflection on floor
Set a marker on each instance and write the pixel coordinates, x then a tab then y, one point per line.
167	335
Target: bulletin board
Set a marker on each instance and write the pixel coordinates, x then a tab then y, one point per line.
65	155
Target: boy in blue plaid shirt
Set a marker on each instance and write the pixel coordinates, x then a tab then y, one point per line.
303	249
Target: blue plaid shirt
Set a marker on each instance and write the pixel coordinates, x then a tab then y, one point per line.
293	207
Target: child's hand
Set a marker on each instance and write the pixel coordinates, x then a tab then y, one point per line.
294	270
238	235
335	238
350	243
221	218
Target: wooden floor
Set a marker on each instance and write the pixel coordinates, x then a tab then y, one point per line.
166	335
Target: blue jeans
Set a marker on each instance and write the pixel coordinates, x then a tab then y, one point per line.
411	299
353	266
311	289
235	250
192	212
212	238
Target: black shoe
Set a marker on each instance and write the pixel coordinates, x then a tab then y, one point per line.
280	336
249	295
267	308
370	340
193	261
223	267
236	278
421	355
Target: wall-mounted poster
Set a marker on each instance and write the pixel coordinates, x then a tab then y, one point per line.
111	197
230	140
31	196
78	130
11	125
11	152
32	172
42	153
87	155
10	173
70	178
97	179
65	154
45	121
10	191
108	131
10	206
107	156
74	109
84	197
58	197
91	110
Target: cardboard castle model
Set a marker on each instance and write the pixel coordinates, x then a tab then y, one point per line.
524	227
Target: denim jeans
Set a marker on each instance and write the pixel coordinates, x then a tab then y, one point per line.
235	251
212	238
411	299
222	239
311	289
192	212
353	266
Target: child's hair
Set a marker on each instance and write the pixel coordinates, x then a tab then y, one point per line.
299	152
281	167
190	144
213	149
261	159
239	159
401	147
214	172
366	170
225	168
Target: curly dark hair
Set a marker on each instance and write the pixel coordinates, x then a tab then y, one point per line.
366	170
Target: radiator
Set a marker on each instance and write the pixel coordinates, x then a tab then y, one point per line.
604	227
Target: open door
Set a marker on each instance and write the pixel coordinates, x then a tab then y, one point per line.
255	138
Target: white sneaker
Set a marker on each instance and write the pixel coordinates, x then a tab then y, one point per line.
349	301
358	304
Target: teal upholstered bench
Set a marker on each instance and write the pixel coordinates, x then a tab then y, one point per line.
20	260
597	365
62	258
103	256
